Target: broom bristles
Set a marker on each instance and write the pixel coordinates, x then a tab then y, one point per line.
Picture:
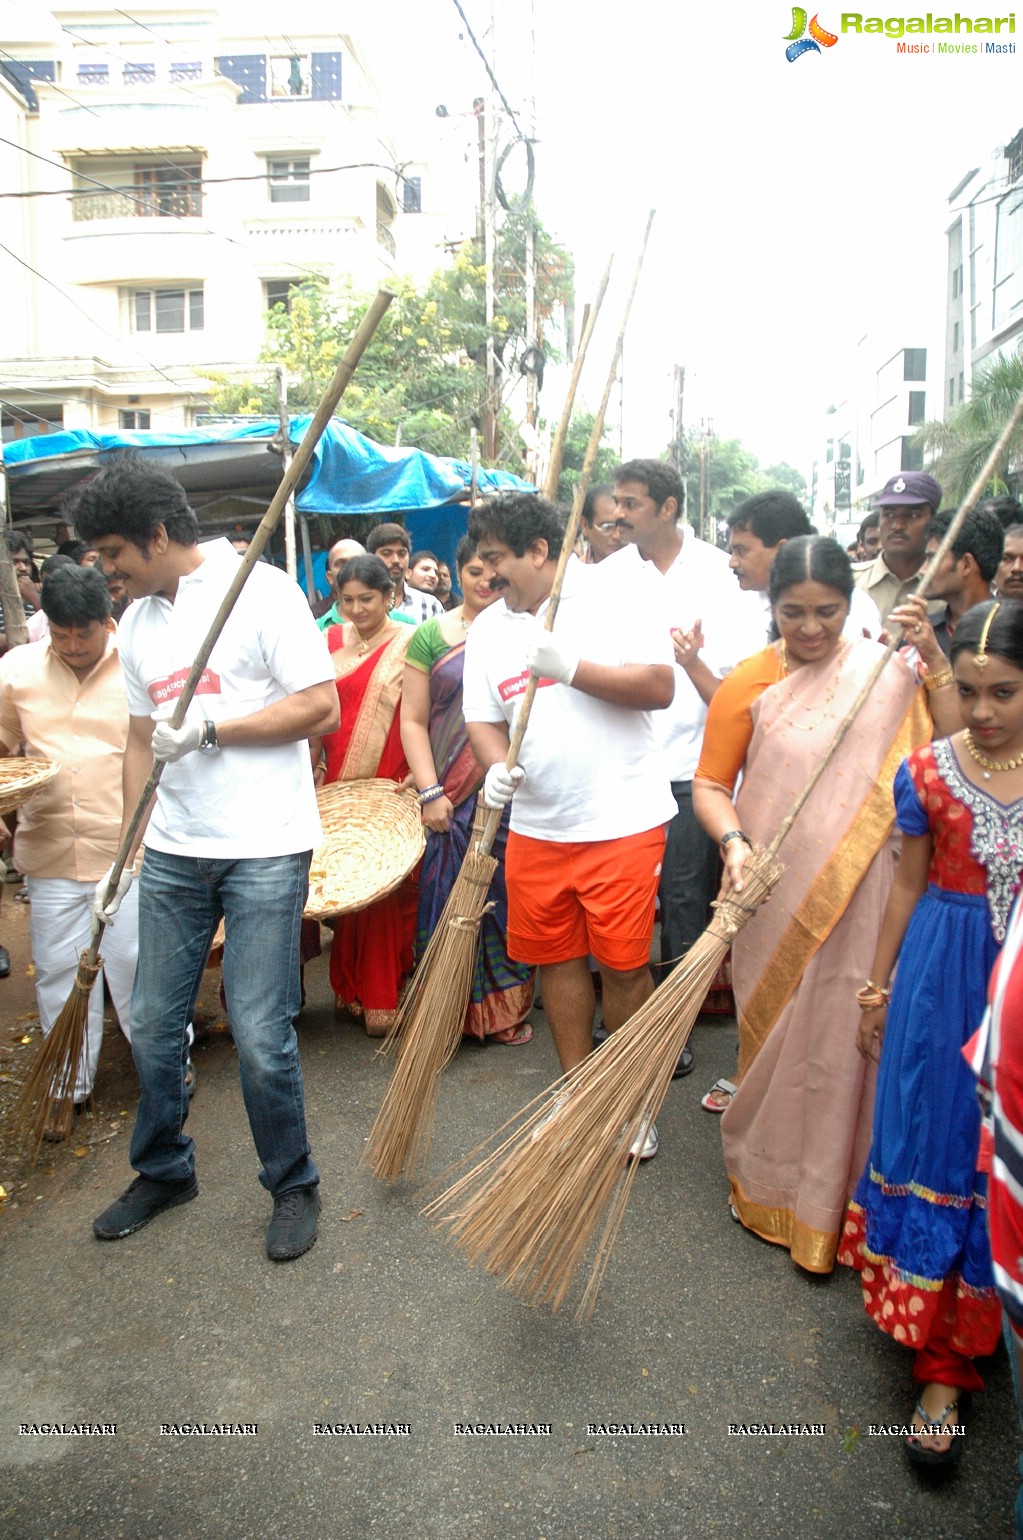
428	1027
48	1090
532	1209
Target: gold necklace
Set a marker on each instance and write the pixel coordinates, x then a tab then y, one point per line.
987	766
823	714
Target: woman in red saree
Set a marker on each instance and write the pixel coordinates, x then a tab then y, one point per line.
372	950
797	1129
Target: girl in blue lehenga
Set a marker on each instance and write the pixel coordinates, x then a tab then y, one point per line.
437	749
917	1229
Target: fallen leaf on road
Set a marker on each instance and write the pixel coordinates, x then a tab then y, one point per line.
353	1213
83	1149
28	1016
25	1039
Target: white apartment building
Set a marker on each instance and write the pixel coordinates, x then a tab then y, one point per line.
984	296
868	435
183	179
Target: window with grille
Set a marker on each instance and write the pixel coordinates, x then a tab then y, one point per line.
167	310
169	191
134	419
288	180
139	74
93	74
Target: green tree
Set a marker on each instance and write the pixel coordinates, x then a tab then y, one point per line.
576	443
421	381
959	446
787	478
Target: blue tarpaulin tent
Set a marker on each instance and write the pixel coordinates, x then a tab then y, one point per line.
349	474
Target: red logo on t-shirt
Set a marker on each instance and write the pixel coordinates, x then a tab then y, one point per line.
170	687
511	689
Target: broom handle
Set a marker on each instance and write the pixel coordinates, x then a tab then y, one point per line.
289	481
568	540
970	502
590	314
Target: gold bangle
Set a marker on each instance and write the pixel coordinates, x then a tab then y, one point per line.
938	681
872	996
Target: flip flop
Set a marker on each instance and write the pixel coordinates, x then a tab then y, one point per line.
524	1034
710	1105
937	1457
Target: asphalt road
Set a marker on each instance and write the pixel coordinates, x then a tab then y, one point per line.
698	1324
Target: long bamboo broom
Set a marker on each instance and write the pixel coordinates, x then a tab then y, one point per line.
46	1099
533	1208
428	1026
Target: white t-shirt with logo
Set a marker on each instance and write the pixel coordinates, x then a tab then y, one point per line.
593	769
240	803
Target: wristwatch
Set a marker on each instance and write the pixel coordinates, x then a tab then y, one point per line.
208	742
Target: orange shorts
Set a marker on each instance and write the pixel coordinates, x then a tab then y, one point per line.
566	901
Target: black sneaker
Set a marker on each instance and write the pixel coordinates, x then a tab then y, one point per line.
140	1203
292	1230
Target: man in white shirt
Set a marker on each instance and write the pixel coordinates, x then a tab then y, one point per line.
589	799
757	530
712	627
230	834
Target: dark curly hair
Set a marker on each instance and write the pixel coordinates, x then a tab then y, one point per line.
130	498
519	520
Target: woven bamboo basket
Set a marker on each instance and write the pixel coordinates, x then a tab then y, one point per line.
372	838
22	778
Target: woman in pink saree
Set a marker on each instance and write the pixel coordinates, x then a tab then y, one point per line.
797	1130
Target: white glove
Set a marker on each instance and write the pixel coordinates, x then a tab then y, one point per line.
173	743
548	658
106	911
501	784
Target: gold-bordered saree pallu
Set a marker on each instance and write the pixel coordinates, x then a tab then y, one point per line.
797	1132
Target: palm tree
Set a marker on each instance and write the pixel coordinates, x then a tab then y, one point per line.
960	445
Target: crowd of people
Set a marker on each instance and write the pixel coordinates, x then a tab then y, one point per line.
686	693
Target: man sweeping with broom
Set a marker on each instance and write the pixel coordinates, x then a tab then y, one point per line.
591	797
211	850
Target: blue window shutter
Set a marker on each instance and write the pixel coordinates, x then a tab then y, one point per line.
326	77
22	72
247	70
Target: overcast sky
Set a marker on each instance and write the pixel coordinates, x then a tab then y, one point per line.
798	204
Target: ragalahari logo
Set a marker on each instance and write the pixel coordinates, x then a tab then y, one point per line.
806	39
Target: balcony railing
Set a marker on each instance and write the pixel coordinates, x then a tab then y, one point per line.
171	202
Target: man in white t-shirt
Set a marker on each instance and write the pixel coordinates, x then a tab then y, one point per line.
589	796
712	627
230	833
757	530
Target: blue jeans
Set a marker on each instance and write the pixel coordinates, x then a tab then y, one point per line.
181	900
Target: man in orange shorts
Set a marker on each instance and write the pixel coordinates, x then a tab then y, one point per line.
590	795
